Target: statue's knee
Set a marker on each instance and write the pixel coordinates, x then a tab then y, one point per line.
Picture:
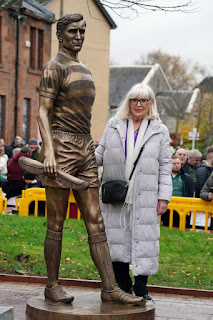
55	225
95	224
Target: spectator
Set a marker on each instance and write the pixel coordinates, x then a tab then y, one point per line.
182	155
15	151
35	149
32	182
2	143
203	171
194	158
15	180
206	193
3	166
182	187
17	142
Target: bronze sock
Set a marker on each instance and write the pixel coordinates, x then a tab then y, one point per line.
52	254
101	257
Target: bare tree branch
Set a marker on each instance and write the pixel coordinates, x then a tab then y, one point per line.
128	8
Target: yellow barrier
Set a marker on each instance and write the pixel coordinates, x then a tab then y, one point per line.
3	203
38	194
184	206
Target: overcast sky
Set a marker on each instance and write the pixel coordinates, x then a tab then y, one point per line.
189	35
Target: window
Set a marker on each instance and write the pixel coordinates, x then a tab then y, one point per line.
32	47
40	48
26	119
36	48
2	104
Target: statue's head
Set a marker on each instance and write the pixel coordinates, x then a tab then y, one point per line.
68	18
70	31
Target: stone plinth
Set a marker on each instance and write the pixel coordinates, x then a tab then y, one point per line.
6	313
87	305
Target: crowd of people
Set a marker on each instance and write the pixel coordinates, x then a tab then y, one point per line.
14	179
191	177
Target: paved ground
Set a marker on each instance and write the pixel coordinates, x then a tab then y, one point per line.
166	306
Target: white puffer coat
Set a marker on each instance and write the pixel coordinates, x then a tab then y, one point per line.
140	244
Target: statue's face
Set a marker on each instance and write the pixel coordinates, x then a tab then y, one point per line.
72	37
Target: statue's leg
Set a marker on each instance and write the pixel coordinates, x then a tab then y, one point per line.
88	203
57	201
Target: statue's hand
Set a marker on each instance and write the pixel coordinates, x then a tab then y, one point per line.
50	167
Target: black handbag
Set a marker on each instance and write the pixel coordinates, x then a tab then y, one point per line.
116	190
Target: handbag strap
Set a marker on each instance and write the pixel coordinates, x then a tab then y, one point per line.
139	154
136	161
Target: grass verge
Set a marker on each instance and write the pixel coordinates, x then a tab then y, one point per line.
185	259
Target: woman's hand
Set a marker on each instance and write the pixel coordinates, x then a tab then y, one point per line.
162	207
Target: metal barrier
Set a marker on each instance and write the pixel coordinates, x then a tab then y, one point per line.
36	195
184	206
3	203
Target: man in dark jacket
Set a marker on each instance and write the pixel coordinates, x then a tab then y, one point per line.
17	143
203	171
183	186
206	194
194	158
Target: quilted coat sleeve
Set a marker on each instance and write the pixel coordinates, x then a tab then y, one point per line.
165	168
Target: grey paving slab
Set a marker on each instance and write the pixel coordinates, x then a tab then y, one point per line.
167	307
6	313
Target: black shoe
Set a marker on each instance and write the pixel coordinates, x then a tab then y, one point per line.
146	297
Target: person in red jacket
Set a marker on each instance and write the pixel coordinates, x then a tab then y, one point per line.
15	180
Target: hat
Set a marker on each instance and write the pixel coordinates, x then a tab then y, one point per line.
29	176
33	141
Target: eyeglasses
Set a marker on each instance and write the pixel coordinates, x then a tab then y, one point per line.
141	101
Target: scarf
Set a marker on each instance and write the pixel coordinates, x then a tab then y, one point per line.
132	150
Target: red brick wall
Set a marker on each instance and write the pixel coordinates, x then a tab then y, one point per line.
28	79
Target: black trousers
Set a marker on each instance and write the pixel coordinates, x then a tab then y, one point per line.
124	280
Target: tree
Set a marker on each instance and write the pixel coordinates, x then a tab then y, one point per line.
204	119
125	8
4	5
180	74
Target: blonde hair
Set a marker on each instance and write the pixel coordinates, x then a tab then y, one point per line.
142	91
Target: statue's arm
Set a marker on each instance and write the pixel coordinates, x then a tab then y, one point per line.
45	107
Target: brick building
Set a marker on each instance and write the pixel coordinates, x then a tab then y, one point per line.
25	37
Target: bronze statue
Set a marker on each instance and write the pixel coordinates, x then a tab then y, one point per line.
67	93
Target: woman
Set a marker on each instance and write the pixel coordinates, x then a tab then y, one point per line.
15	180
133	228
3	166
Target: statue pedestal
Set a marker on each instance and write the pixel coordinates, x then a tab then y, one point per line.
87	305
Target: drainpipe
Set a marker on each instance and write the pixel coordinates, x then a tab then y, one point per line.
61	7
19	18
16	77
